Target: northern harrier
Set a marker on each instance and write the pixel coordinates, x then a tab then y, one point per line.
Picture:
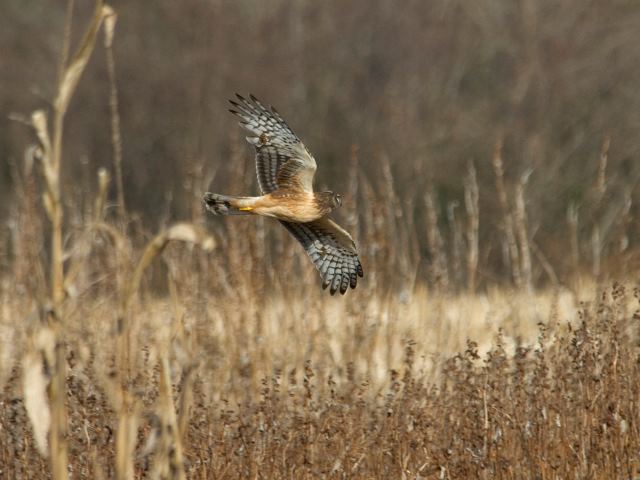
285	174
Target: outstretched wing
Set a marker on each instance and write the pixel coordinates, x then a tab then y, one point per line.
282	160
332	250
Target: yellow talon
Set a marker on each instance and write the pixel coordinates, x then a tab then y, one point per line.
245	209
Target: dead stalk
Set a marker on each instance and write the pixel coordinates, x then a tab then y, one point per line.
84	247
600	188
471	198
456	243
182	232
439	273
546	264
169	461
66	40
116	137
523	237
572	222
507	222
50	159
126	436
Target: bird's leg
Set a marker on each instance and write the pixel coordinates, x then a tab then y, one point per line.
227	204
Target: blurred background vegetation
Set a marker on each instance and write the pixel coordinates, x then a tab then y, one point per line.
419	92
487	151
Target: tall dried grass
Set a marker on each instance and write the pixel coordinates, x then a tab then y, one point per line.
288	388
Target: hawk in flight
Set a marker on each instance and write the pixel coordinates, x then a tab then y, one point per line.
285	174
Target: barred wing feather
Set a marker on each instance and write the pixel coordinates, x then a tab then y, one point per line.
282	160
332	250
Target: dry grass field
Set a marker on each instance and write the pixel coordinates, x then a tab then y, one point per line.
319	387
206	349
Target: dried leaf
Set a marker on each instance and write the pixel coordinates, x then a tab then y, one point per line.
39	122
74	70
185	232
36	379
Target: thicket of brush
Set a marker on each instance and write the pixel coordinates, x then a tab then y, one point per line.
125	353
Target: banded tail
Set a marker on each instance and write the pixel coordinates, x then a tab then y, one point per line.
227	204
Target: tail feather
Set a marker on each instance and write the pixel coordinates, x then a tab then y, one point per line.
222	204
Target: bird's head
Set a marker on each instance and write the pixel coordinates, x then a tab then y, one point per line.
329	201
337	200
